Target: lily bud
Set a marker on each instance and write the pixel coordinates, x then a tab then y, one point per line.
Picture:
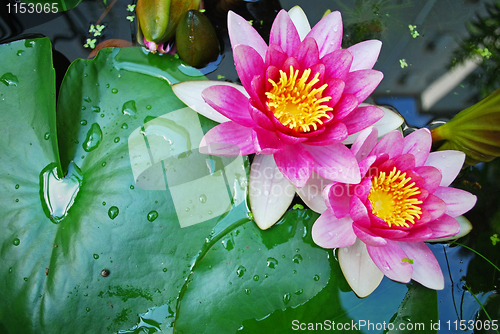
196	39
474	131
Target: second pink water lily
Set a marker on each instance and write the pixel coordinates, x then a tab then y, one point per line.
403	199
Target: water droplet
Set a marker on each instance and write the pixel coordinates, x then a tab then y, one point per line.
105	273
20	52
124	126
88	309
294	271
107	85
26	279
297	250
29	43
117	139
103	164
152	215
46	136
129	108
9	79
256	278
316	278
103	203
102	115
16	242
203	198
10	270
16	186
187	209
83	122
96	109
266	275
209	212
96	256
17	200
241	271
113	212
58	194
407	318
165	270
272	262
114	90
87	99
93	139
299	291
248	291
132	187
148	107
286	298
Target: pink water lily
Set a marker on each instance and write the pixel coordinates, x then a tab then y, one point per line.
298	106
403	199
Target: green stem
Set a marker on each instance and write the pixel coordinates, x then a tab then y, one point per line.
477	254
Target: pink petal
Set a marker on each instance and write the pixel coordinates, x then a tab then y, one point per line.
335	162
435	206
290	61
457	201
290	140
328	33
361	118
449	164
465	228
275	56
337	64
365	54
330	232
338	197
228	101
284	33
389	233
431	176
241	32
362	83
311	193
270	193
266	142
364	143
359	212
295	163
404	162
334	90
368	237
426	268
344	106
391	143
259	117
389	260
417	234
307	54
359	270
248	65
419	144
444	226
332	134
237	140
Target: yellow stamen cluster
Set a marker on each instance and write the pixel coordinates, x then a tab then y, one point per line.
295	103
392	198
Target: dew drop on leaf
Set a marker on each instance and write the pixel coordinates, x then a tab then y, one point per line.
113	212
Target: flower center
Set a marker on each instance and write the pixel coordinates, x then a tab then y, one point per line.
295	103
393	200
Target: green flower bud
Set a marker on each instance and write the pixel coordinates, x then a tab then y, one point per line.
153	19
196	39
474	131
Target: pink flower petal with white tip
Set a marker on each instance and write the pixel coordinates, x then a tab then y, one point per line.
426	268
364	143
390	260
270	193
227	101
465	228
295	163
365	54
418	143
241	32
284	33
237	139
444	226
359	269
330	232
361	118
311	193
457	201
449	164
362	83
335	162
328	33
392	144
